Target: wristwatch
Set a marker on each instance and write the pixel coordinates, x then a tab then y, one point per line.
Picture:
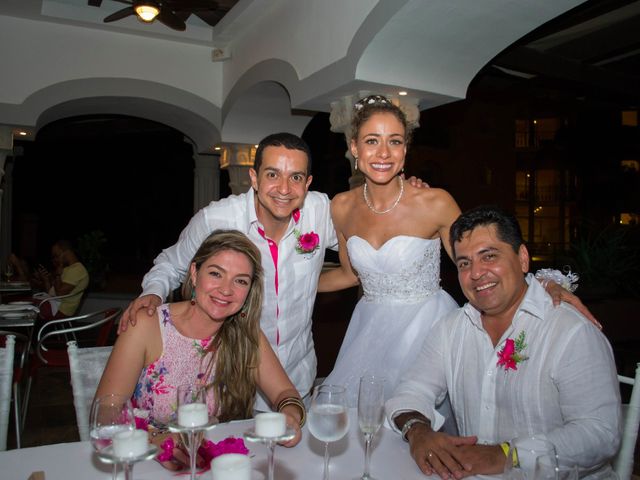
410	423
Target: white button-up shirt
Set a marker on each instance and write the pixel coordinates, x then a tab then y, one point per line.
286	312
566	390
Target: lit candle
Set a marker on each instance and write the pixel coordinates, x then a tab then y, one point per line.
193	415
130	443
231	466
270	424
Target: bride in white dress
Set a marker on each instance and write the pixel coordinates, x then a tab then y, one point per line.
389	236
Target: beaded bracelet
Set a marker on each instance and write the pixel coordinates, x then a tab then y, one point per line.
296	402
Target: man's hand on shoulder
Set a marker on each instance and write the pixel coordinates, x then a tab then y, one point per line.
150	302
416	182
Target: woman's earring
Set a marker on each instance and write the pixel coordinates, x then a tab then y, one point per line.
356	164
193	295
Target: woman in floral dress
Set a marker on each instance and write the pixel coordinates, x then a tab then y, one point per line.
213	339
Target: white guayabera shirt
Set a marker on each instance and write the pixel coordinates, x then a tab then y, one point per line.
566	390
290	278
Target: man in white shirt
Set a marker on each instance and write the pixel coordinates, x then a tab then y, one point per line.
512	363
277	214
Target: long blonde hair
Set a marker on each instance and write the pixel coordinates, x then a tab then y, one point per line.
236	345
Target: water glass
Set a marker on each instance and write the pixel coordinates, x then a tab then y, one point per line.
328	417
370	414
555	467
110	414
522	456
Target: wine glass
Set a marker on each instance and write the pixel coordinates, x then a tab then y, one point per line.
328	417
109	415
8	272
522	455
370	414
193	419
555	467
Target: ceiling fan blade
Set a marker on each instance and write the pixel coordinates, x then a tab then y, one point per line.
171	20
191	4
211	18
120	14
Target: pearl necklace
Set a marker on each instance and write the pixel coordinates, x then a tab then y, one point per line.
366	199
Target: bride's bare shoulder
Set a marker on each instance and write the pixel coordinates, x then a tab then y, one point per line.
437	196
342	203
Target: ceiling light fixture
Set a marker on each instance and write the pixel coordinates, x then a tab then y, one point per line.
402	93
22	133
147	10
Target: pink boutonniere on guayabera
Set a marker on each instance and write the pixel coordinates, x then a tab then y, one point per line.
512	353
307	242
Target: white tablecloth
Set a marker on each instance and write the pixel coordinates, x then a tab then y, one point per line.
390	459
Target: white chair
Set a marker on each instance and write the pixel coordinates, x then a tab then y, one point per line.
86	366
10	375
46	353
623	463
6	376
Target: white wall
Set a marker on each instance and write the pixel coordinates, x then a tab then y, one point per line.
37	54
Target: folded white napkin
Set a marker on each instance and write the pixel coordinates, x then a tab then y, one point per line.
18	308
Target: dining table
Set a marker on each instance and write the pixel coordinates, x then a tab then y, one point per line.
18	315
390	458
8	289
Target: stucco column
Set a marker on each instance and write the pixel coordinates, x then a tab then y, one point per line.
342	115
206	179
238	159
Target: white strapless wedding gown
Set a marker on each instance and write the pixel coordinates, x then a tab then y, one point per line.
402	301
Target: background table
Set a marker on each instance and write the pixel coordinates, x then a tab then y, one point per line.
390	459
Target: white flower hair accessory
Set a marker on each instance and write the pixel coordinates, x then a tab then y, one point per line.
371	100
568	281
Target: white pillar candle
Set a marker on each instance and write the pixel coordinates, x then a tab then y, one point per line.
193	415
270	424
231	466
130	443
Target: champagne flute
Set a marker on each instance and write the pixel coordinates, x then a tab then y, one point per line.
370	414
554	467
193	419
109	415
328	417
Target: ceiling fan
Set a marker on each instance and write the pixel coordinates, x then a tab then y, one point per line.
172	13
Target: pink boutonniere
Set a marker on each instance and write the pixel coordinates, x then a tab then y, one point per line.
307	242
512	353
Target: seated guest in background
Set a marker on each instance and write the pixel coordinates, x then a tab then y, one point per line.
512	363
68	277
18	267
214	338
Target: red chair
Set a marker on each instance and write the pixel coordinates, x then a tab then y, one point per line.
51	352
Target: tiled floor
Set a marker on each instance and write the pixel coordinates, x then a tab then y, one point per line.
51	417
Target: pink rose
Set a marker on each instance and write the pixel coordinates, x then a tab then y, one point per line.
210	450
505	356
309	241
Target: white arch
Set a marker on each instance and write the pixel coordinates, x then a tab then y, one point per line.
190	114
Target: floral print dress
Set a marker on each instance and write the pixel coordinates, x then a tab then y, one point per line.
182	361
